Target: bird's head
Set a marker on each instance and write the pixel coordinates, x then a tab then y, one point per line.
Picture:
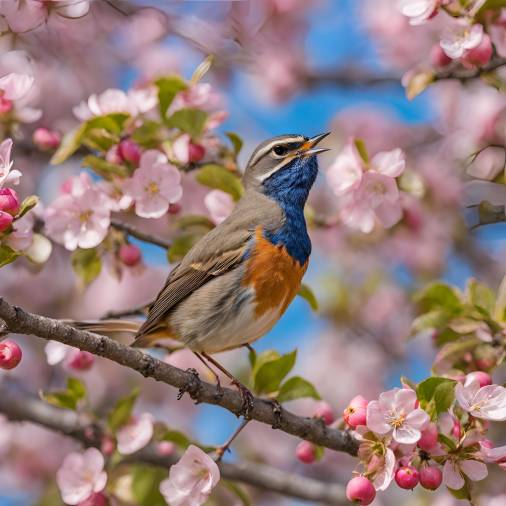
284	167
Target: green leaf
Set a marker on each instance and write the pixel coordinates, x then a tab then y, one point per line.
27	205
480	295
69	398
439	296
236	141
148	135
319	452
263	358
444	396
180	246
490	4
447	441
69	144
500	303
202	69
104	168
362	150
463	494
452	352
219	178
87	264
270	374
112	123
177	437
7	255
238	491
252	357
122	411
418	83
435	319
76	388
426	390
168	88
146	485
296	388
191	121
306	293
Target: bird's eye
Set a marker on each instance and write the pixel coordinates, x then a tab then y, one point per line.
280	150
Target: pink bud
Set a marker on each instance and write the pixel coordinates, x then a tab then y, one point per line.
165	448
487	443
113	156
5	105
130	151
305	452
9	201
407	477
107	445
430	477
324	411
95	499
196	152
429	437
438	57
10	354
480	55
45	139
360	491
483	378
175	208
130	254
6	220
457	429
356	412
80	360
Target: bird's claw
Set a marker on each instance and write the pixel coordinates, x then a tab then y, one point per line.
277	412
191	386
247	399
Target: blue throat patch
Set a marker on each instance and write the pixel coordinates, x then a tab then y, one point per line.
289	187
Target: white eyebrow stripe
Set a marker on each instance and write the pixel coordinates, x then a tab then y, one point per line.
285	140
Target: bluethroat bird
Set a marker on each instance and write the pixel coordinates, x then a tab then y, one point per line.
237	281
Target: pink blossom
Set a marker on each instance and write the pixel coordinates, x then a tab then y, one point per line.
154	185
419	11
6	175
6	220
130	254
23	15
386	471
395	413
186	151
356	412
389	163
80	218
136	434
46	139
114	100
70	8
324	411
73	358
81	475
455	469
489	454
15	86
498	34
480	55
191	480
219	204
198	96
80	360
457	41
345	174
488	402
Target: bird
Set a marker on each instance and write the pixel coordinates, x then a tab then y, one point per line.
236	282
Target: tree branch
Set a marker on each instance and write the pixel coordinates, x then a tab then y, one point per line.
20	406
138	234
463	74
312	430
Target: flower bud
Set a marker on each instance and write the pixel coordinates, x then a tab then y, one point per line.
196	152
113	155
174	208
129	151
429	437
407	477
95	499
438	57
46	139
6	220
165	448
10	355
305	452
130	254
480	55
430	477
9	201
360	491
483	378
80	360
356	412
107	445
5	105
324	411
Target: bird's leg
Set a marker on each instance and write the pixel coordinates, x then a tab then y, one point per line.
246	395
220	451
219	394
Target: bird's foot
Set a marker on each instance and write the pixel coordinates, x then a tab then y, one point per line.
277	412
219	389
192	386
246	397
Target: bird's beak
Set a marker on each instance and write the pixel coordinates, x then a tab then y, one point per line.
309	147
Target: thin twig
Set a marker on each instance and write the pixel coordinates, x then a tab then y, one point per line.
263	411
138	234
20	406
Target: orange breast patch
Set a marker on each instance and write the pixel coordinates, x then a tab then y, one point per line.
274	274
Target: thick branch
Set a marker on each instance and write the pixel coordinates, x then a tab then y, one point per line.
19	406
312	430
138	234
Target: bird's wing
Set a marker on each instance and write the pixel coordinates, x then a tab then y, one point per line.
196	269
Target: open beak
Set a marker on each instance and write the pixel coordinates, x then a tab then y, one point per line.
309	147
